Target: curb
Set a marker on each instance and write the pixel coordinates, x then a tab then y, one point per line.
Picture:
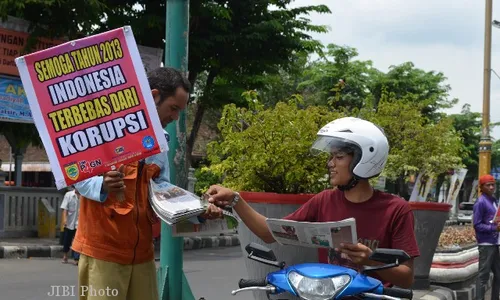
192	243
469	293
55	251
30	251
435	293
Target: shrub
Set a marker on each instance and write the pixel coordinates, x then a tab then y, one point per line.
268	149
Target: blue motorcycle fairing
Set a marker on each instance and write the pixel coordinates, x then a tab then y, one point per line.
358	283
362	284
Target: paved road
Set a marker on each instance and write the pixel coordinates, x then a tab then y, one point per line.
212	273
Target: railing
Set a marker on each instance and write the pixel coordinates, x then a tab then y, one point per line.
19	209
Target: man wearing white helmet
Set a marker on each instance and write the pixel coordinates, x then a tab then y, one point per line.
358	151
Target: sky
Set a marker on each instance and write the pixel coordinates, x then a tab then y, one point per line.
445	36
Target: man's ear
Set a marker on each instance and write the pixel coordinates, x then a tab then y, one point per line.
156	96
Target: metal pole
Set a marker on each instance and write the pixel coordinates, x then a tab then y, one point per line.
10	166
173	284
485	143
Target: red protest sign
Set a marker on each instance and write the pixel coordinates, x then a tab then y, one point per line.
92	105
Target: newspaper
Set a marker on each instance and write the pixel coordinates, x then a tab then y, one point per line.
313	234
173	204
182	210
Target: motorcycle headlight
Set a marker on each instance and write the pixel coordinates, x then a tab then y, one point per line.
317	289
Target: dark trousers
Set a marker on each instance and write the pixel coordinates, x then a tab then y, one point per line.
489	261
69	235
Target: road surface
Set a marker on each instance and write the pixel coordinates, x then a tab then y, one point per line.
212	273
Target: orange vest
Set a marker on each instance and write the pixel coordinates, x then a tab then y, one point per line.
119	232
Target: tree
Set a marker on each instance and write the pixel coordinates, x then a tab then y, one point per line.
337	79
425	87
284	84
495	154
468	125
231	43
244	41
416	144
268	149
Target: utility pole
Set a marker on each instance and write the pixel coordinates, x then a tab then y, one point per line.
172	282
485	143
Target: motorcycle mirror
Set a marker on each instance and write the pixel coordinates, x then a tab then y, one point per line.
263	255
260	251
389	256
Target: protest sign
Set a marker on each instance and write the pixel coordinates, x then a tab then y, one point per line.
92	105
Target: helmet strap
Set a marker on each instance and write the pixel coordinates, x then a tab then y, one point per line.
352	183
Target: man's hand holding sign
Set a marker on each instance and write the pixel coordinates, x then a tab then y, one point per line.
113	183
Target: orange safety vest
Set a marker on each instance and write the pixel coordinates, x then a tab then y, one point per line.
120	232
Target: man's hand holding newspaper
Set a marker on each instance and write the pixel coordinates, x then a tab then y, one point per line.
187	213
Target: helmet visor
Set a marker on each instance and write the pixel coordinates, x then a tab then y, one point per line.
333	145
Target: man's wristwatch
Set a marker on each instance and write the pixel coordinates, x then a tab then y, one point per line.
235	199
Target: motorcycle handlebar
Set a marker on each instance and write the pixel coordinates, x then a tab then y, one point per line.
251	282
398	293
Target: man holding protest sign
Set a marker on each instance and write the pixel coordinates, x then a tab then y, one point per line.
97	110
115	238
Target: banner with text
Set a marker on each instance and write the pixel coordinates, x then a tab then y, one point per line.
14	106
92	105
13	44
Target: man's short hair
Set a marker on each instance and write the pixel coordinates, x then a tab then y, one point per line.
167	80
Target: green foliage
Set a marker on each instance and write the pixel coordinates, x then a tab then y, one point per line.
20	135
268	149
337	79
232	44
56	18
416	144
204	179
468	125
495	154
425	87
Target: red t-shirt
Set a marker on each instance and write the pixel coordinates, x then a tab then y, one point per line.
383	221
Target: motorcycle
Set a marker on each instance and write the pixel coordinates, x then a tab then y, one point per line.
316	281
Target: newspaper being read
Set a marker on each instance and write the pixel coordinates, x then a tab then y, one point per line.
317	234
182	210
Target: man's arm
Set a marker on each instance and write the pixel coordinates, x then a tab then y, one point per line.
256	222
64	208
98	187
401	276
161	160
92	188
403	238
64	217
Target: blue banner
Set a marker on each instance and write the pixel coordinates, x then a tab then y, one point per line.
14	105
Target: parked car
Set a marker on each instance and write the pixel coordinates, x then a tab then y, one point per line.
465	212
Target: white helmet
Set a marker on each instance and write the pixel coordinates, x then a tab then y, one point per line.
362	138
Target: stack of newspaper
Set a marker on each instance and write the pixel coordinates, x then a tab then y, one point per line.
174	204
181	209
